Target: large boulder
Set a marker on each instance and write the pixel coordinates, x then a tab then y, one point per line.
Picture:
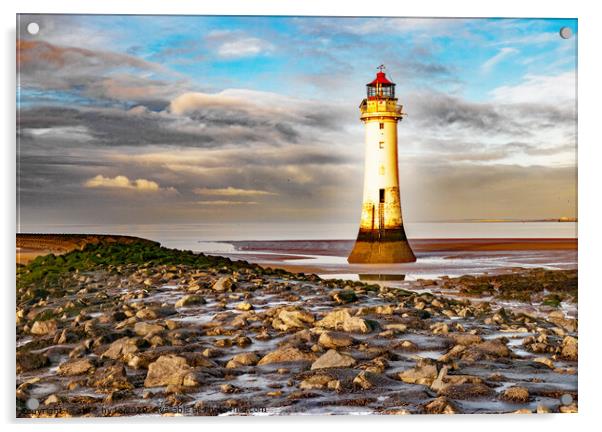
424	373
41	328
341	319
465	339
190	300
335	340
77	367
111	378
288	354
356	325
443	380
441	405
335	319
467	391
28	361
292	319
170	370
317	382
122	347
488	350
344	296
332	359
243	359
569	348
225	283
151	313
146	329
516	394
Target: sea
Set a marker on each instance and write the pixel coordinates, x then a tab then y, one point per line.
329	244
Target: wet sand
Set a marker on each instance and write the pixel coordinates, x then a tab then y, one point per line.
435	257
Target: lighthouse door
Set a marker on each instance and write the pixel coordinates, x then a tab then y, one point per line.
381	213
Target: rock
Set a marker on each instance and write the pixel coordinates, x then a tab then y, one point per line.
145	329
490	349
41	328
341	319
335	319
441	405
52	399
243	341
542	409
397	327
292	319
545	361
149	313
567	324
332	359
356	325
522	411
452	353
112	377
572	408
516	394
344	296
440	328
316	382
77	367
190	300
424	373
288	354
335	340
169	370
569	348
28	361
122	347
466	391
224	283
362	381
243	359
465	339
244	306
407	345
228	388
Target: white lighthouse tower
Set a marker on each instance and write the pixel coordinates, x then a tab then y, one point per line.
381	237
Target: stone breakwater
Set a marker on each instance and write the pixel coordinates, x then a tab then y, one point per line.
168	336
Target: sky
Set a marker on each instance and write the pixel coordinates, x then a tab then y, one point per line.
183	119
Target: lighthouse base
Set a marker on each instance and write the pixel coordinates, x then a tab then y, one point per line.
378	247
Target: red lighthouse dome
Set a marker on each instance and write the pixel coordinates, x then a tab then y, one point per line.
380	87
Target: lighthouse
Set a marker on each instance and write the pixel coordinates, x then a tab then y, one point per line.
381	238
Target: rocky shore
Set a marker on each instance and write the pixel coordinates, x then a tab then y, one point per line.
137	329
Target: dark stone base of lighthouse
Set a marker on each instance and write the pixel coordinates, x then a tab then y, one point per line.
387	246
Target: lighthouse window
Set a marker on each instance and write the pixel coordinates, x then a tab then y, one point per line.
382	170
381	125
381	145
381	195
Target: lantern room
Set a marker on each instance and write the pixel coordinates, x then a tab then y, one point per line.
381	87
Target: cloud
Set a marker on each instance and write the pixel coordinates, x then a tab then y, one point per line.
500	56
230	191
226	203
122	182
236	44
558	90
244	47
92	73
511	115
